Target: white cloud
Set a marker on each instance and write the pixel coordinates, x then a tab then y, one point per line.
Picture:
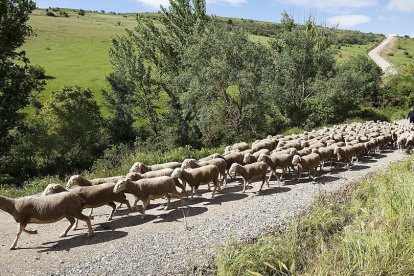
230	2
156	3
347	21
401	5
331	5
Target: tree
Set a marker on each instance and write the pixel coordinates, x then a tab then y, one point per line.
75	129
158	47
16	83
300	54
224	76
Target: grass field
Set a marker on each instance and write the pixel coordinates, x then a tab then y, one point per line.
75	50
402	53
348	51
365	230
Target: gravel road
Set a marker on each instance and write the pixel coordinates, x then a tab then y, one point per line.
165	243
378	52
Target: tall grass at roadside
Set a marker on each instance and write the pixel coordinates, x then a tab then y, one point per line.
367	230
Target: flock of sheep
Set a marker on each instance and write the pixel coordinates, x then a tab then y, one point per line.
296	154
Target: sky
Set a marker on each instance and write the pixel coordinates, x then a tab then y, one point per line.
377	16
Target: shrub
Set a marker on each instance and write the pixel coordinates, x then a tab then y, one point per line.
37	71
391	54
406	53
81	12
50	14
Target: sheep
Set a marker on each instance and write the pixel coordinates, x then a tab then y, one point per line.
44	209
260	152
250	172
80	181
212	156
360	150
237	147
307	163
264	144
235	157
326	154
220	163
199	176
277	161
344	154
149	188
249	158
141	168
304	152
96	196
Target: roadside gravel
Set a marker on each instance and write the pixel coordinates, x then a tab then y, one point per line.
165	243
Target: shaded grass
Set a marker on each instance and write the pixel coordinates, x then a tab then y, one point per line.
367	229
348	51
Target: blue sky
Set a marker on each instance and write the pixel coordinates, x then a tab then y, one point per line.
378	16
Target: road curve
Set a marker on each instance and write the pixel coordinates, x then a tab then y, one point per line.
375	55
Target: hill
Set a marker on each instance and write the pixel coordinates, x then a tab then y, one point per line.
74	49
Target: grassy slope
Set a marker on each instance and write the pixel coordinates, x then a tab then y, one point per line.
366	230
399	57
74	50
352	50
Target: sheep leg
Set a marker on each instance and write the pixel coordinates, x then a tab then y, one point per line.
113	205
283	173
217	184
87	220
271	173
244	186
90	214
192	192
144	206
135	202
71	221
168	202
19	232
209	188
31	232
76	225
263	181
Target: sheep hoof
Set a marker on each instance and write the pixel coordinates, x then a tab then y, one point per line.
90	234
91	217
12	247
142	217
62	235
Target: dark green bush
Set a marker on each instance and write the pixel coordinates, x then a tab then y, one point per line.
37	71
50	14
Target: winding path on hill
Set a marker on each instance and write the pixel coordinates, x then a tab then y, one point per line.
381	50
166	243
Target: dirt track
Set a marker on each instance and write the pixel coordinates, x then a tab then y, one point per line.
377	54
165	243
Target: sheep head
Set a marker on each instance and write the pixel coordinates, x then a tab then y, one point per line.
233	168
261	157
296	159
136	167
246	157
177	173
188	163
53	189
316	151
133	176
72	181
120	185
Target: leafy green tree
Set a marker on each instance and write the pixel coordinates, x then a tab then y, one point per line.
16	83
75	128
156	47
301	53
224	76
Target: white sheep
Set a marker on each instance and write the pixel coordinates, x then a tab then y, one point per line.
44	209
249	172
199	176
149	188
141	168
307	163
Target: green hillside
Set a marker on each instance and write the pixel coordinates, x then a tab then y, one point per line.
402	54
74	49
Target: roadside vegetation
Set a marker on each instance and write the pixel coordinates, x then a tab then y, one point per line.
366	229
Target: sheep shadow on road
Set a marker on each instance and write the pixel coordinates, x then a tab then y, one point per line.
177	214
82	240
